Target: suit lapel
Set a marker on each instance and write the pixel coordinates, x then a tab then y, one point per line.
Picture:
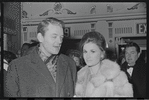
62	67
41	68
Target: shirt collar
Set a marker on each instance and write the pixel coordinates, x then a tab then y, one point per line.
42	54
46	58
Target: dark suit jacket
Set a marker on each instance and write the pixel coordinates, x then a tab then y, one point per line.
28	76
138	79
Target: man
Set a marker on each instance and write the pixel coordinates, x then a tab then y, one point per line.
44	72
135	69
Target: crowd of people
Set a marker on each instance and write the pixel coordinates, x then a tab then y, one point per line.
91	71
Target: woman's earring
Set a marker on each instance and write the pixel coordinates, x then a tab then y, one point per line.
101	58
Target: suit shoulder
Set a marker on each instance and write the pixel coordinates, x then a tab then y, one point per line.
65	57
68	60
21	60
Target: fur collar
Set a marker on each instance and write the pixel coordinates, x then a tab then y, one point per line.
109	81
108	68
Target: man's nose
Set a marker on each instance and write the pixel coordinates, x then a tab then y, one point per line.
128	55
60	40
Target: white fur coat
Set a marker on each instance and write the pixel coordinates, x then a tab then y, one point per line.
109	81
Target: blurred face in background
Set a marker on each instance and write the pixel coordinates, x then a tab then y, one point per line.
77	60
131	55
92	54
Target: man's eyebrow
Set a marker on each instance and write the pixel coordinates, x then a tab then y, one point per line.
132	51
54	34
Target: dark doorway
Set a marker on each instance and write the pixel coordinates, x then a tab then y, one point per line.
69	44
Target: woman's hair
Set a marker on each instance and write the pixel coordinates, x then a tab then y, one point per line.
44	23
94	37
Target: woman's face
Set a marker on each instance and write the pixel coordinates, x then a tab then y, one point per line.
92	54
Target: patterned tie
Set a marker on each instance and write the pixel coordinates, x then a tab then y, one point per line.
51	63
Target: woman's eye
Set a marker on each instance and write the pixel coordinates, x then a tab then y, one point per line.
84	51
93	51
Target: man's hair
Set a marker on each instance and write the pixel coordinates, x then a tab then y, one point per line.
44	23
133	44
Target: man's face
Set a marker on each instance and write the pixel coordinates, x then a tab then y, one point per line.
131	55
52	39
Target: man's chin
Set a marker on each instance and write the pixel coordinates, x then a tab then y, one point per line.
131	64
55	53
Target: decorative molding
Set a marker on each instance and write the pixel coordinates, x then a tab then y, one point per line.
24	14
9	23
91	18
109	8
133	7
93	9
57	9
68	11
136	6
9	31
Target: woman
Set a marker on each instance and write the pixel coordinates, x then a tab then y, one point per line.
100	77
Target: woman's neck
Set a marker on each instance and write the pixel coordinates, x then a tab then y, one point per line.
94	69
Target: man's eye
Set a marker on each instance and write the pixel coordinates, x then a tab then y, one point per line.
53	36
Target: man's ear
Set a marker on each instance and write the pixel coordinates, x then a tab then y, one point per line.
40	37
139	54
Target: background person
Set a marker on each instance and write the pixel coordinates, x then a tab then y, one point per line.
8	57
24	48
32	47
135	69
75	55
121	58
